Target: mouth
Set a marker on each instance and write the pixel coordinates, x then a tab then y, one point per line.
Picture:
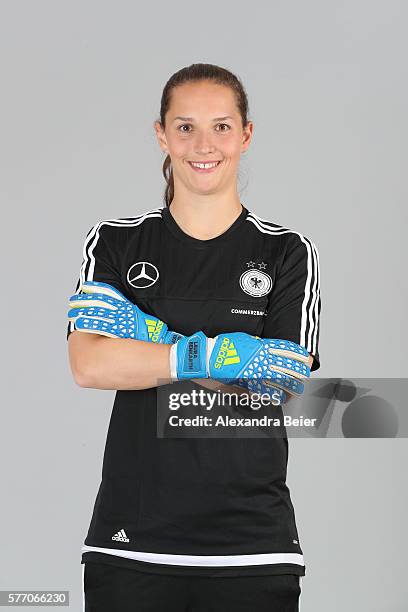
205	167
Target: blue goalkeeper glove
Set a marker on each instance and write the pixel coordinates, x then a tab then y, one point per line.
102	309
261	365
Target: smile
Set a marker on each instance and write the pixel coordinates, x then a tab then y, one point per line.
204	166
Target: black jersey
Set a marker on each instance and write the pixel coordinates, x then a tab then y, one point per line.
202	506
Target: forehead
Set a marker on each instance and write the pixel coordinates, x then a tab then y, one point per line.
202	100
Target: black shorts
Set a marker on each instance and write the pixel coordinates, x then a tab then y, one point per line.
110	588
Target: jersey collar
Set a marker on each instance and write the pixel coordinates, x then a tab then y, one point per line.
176	230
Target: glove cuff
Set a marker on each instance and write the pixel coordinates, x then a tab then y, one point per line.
173	362
188	357
210	345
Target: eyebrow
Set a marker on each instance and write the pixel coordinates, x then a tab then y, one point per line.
192	118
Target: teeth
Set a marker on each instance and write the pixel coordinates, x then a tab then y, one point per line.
212	165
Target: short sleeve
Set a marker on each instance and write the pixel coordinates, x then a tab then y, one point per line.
294	302
100	261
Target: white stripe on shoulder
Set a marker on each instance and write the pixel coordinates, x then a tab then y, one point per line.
88	262
93	237
264	224
129	221
310	304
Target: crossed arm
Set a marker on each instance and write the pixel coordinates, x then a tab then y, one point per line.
124	348
99	362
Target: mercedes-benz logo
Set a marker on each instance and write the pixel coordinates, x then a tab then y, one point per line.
142	274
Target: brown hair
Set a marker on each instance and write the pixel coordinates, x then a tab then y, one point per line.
198	72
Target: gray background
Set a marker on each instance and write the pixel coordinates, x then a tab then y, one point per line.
80	88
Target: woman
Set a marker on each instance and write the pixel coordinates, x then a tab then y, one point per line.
196	524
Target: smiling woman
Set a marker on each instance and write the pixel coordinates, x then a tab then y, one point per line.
203	120
243	294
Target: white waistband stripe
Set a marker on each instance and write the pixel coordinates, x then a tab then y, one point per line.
201	560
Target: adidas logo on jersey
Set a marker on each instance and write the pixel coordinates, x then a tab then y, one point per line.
227	354
120	536
154	328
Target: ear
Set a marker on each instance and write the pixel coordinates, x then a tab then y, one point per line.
161	136
247	136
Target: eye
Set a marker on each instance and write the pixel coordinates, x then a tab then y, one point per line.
184	125
226	125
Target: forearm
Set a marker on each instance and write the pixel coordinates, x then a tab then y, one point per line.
120	364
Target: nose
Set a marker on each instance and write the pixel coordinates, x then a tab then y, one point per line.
203	144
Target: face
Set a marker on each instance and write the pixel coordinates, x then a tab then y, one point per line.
203	125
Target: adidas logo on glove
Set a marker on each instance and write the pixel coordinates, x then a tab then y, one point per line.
226	355
154	328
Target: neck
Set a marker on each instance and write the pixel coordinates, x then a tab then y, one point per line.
207	218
